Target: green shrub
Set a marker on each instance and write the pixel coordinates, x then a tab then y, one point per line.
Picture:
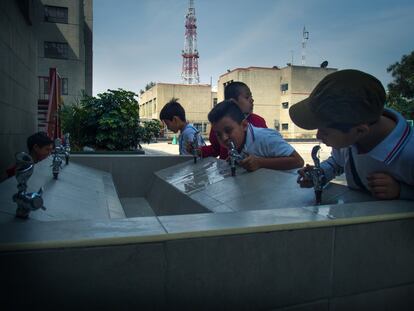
109	121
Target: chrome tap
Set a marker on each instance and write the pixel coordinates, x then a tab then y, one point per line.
67	148
317	175
57	160
26	201
234	156
195	145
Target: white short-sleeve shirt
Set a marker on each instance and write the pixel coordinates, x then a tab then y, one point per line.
266	143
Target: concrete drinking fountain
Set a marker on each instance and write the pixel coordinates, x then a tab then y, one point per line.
164	232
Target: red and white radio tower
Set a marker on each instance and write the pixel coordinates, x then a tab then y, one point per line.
190	53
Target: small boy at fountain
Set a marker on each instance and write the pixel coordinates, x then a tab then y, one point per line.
173	115
372	145
259	147
241	94
39	146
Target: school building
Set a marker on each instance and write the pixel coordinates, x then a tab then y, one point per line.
275	90
34	36
196	99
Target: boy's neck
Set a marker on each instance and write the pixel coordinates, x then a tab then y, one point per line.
377	133
182	125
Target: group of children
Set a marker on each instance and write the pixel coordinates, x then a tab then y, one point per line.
372	145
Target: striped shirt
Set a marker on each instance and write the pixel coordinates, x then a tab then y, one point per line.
393	156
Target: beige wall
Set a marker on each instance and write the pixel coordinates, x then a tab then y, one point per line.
265	84
197	101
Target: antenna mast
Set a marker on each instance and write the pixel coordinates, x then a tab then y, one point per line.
304	41
190	53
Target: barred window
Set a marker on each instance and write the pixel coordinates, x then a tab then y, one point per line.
65	86
56	50
56	14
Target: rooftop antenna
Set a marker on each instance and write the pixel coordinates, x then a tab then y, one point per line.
190	53
305	39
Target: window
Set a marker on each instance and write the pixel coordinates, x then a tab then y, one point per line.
198	126
64	86
277	125
45	85
56	14
285	126
284	87
56	50
214	102
204	127
285	105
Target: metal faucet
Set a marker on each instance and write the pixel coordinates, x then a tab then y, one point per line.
317	175
57	160
67	148
194	145
234	156
26	201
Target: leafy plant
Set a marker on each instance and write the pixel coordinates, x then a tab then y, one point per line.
109	121
401	91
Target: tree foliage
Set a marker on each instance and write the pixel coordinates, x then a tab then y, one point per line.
109	121
401	90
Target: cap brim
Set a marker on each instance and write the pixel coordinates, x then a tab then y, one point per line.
302	115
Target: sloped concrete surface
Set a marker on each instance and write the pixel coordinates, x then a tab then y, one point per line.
79	192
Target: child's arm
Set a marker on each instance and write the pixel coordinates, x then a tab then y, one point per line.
384	187
252	163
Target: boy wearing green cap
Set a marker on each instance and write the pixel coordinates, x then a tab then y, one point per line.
373	146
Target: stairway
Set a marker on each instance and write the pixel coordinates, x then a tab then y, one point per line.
42	107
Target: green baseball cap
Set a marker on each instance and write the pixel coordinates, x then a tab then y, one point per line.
348	97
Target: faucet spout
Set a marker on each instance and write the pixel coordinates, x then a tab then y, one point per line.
317	175
234	156
26	201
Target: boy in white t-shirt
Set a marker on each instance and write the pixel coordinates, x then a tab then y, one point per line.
173	115
260	147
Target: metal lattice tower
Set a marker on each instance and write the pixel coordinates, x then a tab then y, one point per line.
190	53
305	38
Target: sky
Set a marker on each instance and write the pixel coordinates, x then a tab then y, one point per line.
138	41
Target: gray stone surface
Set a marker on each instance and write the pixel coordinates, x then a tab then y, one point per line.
209	183
249	272
380	255
247	219
106	278
79	193
132	174
75	233
136	207
399	298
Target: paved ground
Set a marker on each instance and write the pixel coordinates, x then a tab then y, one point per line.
303	148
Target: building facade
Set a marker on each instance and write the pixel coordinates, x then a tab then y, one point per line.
275	90
35	36
196	99
64	33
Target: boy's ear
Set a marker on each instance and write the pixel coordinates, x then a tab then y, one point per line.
362	129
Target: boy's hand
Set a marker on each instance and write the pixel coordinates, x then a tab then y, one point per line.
303	180
383	186
189	148
250	163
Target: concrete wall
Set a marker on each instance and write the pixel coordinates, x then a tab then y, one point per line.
366	266
265	84
18	80
197	101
